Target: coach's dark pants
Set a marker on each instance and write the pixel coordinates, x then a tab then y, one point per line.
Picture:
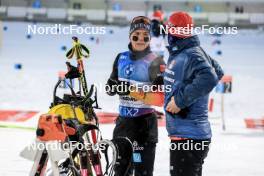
188	161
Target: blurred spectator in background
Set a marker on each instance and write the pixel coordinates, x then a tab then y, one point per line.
239	9
157	43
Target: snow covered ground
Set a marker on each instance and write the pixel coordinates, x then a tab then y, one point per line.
236	152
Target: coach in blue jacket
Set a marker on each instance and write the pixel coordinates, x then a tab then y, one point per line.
190	74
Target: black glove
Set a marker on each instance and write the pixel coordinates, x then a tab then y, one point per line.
158	83
110	87
182	113
117	87
123	88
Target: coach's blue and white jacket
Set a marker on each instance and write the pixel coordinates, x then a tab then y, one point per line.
192	74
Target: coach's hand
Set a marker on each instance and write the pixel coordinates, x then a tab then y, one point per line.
172	107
